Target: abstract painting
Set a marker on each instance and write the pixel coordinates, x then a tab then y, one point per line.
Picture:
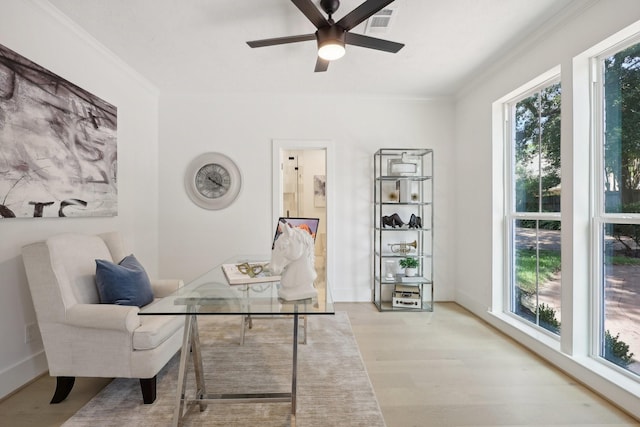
319	191
58	145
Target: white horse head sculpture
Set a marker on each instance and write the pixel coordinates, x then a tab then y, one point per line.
293	258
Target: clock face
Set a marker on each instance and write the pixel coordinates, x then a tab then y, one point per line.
213	181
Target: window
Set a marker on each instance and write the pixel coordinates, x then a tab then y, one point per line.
533	205
616	222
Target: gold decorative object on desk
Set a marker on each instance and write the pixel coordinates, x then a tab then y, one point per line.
250	270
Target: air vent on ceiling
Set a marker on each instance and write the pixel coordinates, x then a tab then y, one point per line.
381	21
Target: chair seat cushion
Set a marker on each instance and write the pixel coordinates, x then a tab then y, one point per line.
125	283
154	330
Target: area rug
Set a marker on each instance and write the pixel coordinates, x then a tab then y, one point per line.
333	386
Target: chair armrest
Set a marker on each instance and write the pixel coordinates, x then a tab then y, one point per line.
163	287
104	316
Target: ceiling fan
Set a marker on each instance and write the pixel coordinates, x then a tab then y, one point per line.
332	36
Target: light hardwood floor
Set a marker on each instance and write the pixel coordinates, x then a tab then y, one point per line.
446	368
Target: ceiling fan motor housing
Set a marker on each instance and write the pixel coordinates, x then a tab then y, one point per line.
330	6
333	34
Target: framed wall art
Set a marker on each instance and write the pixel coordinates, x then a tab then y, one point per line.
319	191
58	145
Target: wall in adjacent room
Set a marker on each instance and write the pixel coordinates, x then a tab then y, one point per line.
477	221
40	34
243	127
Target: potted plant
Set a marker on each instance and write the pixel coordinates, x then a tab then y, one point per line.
410	266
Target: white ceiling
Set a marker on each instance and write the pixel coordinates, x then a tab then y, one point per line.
200	45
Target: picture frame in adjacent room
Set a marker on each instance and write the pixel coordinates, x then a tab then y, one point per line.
319	191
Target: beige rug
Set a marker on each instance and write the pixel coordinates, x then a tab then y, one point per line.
333	386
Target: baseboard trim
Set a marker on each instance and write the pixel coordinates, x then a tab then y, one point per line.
22	373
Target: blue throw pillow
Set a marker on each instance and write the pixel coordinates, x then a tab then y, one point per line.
125	283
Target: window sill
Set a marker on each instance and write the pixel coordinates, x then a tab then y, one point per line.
547	338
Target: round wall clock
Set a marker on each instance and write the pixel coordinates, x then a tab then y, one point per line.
213	181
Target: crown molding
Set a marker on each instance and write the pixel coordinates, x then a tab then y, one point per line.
74	27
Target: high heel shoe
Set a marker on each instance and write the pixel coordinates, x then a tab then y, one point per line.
396	220
415	221
392	221
386	220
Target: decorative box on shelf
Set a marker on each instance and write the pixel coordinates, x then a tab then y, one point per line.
406	296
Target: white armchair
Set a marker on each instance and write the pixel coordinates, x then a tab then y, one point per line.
83	338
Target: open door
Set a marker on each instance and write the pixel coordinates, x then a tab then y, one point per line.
300	190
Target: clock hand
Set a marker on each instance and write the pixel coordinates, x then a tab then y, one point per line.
214	181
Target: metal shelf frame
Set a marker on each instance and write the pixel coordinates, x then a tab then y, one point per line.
403	187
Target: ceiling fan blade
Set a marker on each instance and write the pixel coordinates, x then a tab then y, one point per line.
361	13
321	65
311	12
372	42
281	40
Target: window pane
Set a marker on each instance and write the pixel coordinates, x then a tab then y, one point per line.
527	154
622	131
536	282
550	148
621	315
537	151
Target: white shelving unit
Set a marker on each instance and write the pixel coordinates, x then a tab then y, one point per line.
403	228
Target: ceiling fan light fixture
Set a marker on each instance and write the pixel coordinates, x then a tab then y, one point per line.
332	36
331	51
330	43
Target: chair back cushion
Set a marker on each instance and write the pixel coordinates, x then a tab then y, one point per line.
73	261
61	273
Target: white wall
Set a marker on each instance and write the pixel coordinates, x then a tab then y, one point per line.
477	222
37	32
192	239
154	211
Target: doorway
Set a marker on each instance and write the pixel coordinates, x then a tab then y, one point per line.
300	189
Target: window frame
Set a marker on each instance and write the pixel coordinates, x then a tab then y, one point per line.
598	215
510	214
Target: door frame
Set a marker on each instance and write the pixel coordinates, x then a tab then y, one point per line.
280	145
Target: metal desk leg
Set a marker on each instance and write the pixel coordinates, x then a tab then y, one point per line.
304	340
182	372
201	391
243	325
191	345
245	321
294	370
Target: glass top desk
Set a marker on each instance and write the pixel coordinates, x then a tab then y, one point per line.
211	294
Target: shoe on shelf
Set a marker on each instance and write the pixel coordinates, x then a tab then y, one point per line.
415	221
392	221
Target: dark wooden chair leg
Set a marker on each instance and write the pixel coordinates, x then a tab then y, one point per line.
148	386
63	388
